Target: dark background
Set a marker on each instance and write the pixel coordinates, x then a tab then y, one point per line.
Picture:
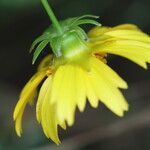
98	129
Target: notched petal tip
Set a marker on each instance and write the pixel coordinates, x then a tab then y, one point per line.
56	141
125	108
18	129
124	85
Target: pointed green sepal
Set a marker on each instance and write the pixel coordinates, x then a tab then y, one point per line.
39	49
86	21
56	40
85	16
38	40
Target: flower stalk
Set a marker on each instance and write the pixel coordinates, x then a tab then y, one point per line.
52	16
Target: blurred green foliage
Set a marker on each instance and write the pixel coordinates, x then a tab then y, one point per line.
17	4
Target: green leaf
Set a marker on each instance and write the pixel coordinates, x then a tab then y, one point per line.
39	49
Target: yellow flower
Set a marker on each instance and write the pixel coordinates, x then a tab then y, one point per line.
82	75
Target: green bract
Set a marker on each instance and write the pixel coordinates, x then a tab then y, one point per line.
70	27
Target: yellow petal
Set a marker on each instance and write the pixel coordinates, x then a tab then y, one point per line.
45	62
129	35
80	88
108	93
126	27
57	80
26	97
113	77
138	52
49	121
52	123
27	91
18	122
35	78
43	91
46	112
32	97
90	92
62	124
66	103
18	119
99	31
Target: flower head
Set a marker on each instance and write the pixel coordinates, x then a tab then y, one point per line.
77	72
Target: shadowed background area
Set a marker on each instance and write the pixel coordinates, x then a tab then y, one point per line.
21	21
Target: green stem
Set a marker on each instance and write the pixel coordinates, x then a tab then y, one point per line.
52	16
